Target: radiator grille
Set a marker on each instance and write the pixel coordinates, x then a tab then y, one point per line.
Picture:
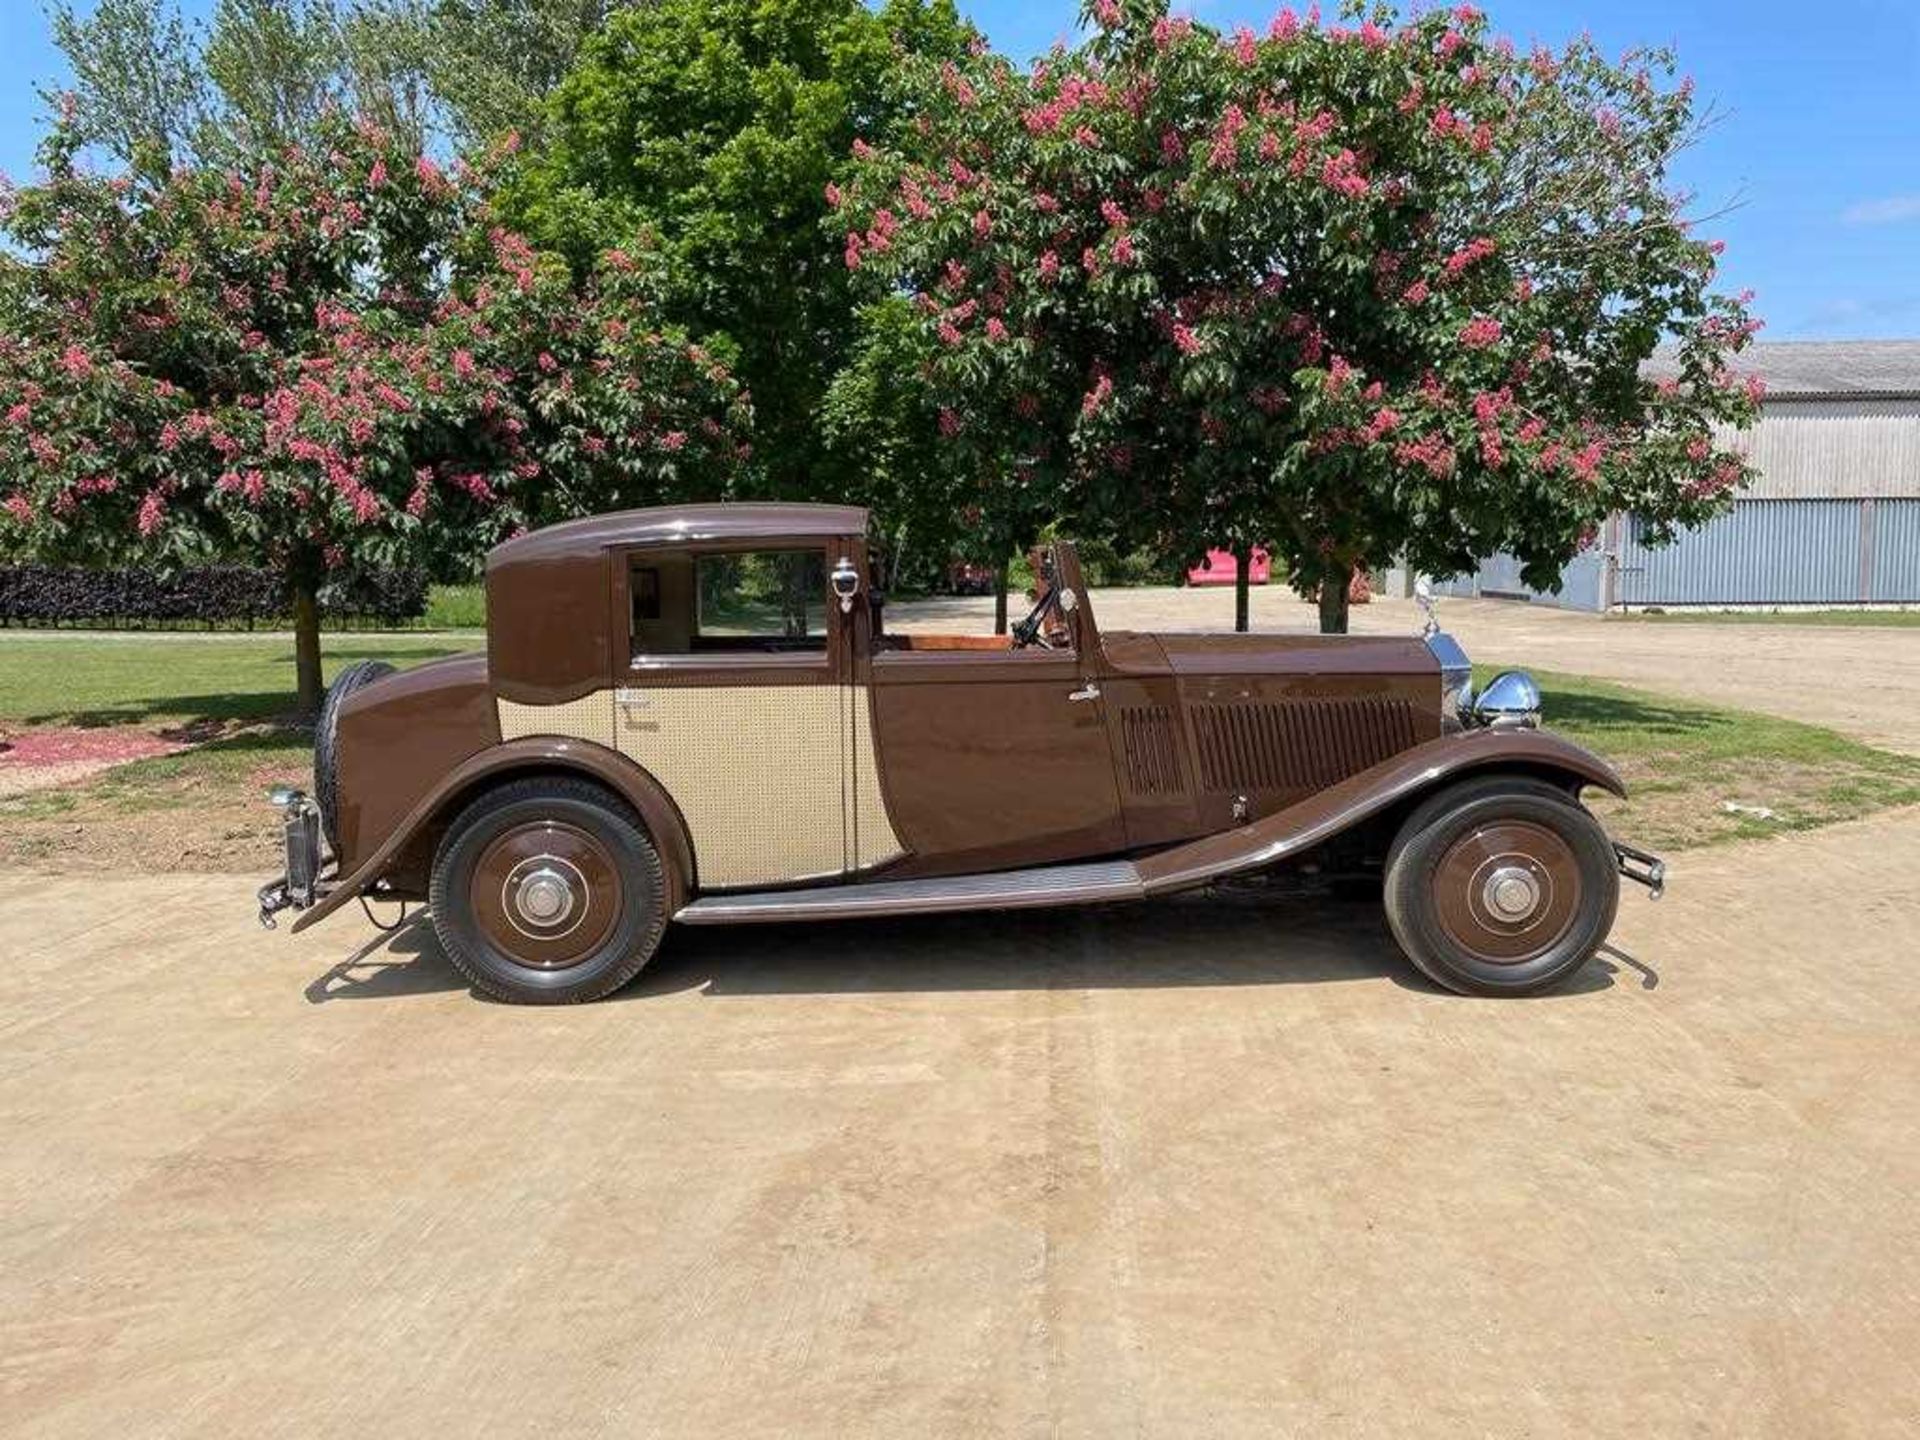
1151	739
1296	744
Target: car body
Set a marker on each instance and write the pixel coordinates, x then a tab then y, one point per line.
698	715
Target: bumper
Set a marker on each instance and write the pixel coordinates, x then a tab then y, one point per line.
301	883
1643	868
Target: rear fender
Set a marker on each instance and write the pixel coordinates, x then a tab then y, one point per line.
535	754
1339	808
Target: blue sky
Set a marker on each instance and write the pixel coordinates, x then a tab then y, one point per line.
1819	146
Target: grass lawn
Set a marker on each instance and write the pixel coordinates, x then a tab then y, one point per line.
203	810
1684	761
1844	618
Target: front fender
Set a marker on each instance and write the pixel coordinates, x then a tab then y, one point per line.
1340	807
533	754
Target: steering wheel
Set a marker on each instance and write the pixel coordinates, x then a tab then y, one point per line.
1032	630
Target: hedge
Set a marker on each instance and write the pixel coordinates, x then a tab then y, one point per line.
216	595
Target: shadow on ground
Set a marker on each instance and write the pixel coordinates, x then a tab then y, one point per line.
1211	939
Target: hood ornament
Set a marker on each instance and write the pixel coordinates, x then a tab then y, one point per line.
1423	597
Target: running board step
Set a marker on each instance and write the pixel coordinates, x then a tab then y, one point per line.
1006	890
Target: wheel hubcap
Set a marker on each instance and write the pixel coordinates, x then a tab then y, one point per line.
547	894
1511	892
1506	891
539	894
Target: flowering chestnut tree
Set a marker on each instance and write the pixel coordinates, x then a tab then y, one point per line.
331	360
1351	291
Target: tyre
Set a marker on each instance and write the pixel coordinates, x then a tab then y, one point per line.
326	773
1501	886
548	892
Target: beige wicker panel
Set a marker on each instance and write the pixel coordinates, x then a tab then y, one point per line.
588	718
776	782
755	769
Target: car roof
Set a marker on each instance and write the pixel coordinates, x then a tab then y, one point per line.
682	524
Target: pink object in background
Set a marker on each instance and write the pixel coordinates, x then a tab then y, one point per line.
1220	568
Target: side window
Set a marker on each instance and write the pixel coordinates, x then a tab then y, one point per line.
760	599
754	601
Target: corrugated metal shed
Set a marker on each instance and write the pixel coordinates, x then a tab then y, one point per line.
1805	448
1827	369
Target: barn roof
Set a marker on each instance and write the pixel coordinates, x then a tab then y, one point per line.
1825	369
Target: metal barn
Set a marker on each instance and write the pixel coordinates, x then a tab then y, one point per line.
1832	518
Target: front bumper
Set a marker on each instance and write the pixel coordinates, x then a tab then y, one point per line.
1642	867
301	883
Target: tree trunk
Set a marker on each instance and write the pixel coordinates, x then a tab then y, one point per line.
1000	598
1333	599
306	646
1242	586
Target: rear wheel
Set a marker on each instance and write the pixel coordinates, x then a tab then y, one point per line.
548	892
1501	886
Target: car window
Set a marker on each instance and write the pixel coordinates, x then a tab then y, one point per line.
760	598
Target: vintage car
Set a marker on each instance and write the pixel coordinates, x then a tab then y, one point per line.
698	715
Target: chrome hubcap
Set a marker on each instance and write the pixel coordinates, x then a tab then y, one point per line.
542	895
1511	893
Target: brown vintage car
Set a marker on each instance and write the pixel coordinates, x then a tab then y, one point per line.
698	715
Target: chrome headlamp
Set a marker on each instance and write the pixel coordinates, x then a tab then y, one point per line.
1511	701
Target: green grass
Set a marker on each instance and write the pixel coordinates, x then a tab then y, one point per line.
1683	761
150	679
1896	619
456	607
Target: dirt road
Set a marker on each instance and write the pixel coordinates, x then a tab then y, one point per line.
1220	1167
1861	682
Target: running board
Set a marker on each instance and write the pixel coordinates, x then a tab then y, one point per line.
1006	890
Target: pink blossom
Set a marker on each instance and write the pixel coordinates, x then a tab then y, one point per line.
949	422
1444	123
1090	260
1113	214
1226	139
428	172
1431	452
1342	173
1096	397
996	330
20	414
1186	341
1470	254
1385	421
1372	36
20	508
948	334
1244	49
153	513
1285	26
1107	14
1480	332
1084	136
674	440
76	362
833	195
982	224
1123	250
853	252
377	176
1049	266
1172	148
862	150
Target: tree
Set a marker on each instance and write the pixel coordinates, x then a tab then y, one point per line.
718	126
493	62
1355	292
334	359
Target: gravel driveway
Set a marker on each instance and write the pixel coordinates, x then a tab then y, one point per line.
1217	1167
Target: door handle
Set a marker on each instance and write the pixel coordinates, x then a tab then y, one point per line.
631	701
1089	691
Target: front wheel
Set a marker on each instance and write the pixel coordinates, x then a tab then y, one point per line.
1501	886
548	892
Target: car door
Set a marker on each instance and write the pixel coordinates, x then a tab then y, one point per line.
992	758
734	694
